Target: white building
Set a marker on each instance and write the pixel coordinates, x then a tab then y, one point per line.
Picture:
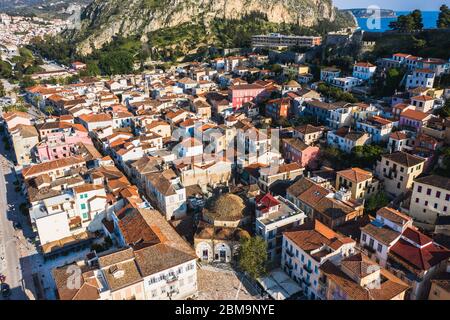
364	70
381	234
166	191
430	198
273	216
307	248
346	84
420	78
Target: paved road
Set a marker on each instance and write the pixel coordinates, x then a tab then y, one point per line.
15	252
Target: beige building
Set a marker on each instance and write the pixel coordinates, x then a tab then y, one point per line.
309	134
204	170
219	232
360	182
160	127
440	289
398	171
430	198
24	139
359	278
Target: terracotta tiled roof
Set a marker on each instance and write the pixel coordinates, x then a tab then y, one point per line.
313	235
398	135
51	165
394	215
435	181
414	114
422	253
404	158
355	174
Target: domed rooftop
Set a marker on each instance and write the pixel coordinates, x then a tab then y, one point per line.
227	206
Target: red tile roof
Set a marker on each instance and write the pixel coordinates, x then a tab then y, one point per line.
418	250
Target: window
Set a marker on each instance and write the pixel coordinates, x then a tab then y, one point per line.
447	197
438	194
371	242
419	189
417	200
428	191
364	237
83	206
435	205
380	248
316	270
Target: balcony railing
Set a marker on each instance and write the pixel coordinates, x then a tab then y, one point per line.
289	265
289	253
171	278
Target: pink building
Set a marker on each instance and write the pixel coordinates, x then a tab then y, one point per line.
244	93
60	144
296	150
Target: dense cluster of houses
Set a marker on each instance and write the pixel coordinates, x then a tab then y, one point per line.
122	162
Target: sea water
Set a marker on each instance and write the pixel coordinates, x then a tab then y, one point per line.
429	21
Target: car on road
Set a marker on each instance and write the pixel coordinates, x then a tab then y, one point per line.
6	291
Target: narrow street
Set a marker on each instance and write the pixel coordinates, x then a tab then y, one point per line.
16	253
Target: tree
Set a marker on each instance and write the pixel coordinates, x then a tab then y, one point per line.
403	23
443	21
116	62
2	90
376	202
5	69
444	112
49	110
366	155
417	17
26	82
253	256
387	86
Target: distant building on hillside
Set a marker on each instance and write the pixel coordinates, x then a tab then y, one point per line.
277	40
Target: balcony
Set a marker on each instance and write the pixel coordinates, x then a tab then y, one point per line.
368	249
307	268
75	223
289	253
306	282
171	278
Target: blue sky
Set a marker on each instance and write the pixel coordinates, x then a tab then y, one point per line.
393	4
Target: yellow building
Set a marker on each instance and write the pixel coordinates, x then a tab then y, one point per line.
360	182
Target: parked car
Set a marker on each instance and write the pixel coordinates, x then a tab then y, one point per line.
6	291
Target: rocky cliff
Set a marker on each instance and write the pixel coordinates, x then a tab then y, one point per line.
104	19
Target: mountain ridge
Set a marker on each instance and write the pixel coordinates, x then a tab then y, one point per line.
103	20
